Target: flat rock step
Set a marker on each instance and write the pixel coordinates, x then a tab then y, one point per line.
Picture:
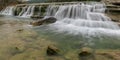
116	3
114	9
112	6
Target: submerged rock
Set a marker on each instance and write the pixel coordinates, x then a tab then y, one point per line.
52	50
85	51
44	21
19	30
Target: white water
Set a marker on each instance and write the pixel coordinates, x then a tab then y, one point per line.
8	11
81	18
29	12
85	19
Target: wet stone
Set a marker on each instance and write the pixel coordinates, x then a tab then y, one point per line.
52	51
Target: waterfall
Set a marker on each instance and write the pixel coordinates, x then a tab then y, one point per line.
24	9
8	11
82	18
73	18
51	10
29	12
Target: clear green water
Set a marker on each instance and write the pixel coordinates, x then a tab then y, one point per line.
77	41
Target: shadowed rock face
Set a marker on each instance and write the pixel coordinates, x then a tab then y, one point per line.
111	1
44	21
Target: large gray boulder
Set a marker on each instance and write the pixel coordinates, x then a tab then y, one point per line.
44	21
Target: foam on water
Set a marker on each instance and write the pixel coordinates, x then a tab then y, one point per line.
85	19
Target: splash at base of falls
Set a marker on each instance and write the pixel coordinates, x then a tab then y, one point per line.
84	28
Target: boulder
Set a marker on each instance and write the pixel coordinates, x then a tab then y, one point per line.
52	50
44	21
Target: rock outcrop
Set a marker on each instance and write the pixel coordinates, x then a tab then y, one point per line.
113	9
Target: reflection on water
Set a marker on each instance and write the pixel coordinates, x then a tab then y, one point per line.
20	41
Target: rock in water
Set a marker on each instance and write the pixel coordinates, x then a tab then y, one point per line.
52	50
44	21
85	51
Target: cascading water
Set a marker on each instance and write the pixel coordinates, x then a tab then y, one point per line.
24	9
84	23
29	12
82	18
51	10
8	11
87	19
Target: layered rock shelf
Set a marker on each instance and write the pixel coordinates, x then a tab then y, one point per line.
113	9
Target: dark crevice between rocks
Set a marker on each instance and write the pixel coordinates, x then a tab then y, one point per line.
116	3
